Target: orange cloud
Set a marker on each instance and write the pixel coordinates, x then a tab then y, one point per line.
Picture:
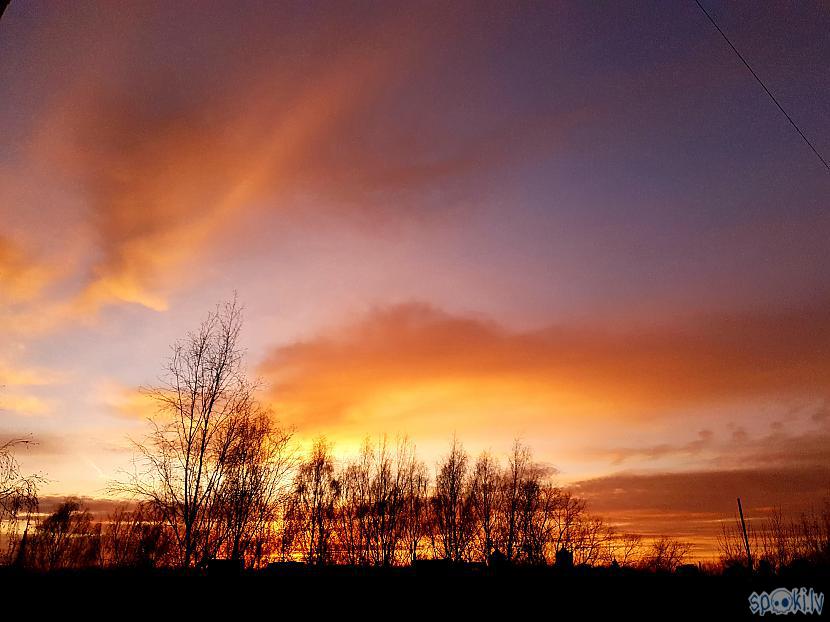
16	380
126	401
21	277
23	404
417	368
17	375
142	166
167	160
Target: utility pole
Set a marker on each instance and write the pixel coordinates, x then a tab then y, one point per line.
746	538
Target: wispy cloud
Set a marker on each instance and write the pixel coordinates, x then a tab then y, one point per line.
712	491
165	159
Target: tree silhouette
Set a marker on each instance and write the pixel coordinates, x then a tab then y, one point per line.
452	504
212	464
18	501
67	538
317	492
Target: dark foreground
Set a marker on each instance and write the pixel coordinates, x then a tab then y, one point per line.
342	592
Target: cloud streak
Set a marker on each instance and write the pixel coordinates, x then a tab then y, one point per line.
166	158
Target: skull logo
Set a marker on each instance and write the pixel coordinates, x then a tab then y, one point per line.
781	600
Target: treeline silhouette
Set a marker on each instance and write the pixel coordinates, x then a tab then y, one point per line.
779	542
217	479
379	509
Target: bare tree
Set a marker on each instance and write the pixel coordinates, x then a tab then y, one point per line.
518	464
18	501
288	531
316	491
625	548
67	538
487	479
537	516
453	505
353	513
135	537
779	540
416	506
568	511
382	507
387	502
388	475
184	459
813	534
665	555
731	543
254	482
591	541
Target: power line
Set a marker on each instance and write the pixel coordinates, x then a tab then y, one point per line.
764	86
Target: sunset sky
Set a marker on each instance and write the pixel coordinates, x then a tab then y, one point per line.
583	225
